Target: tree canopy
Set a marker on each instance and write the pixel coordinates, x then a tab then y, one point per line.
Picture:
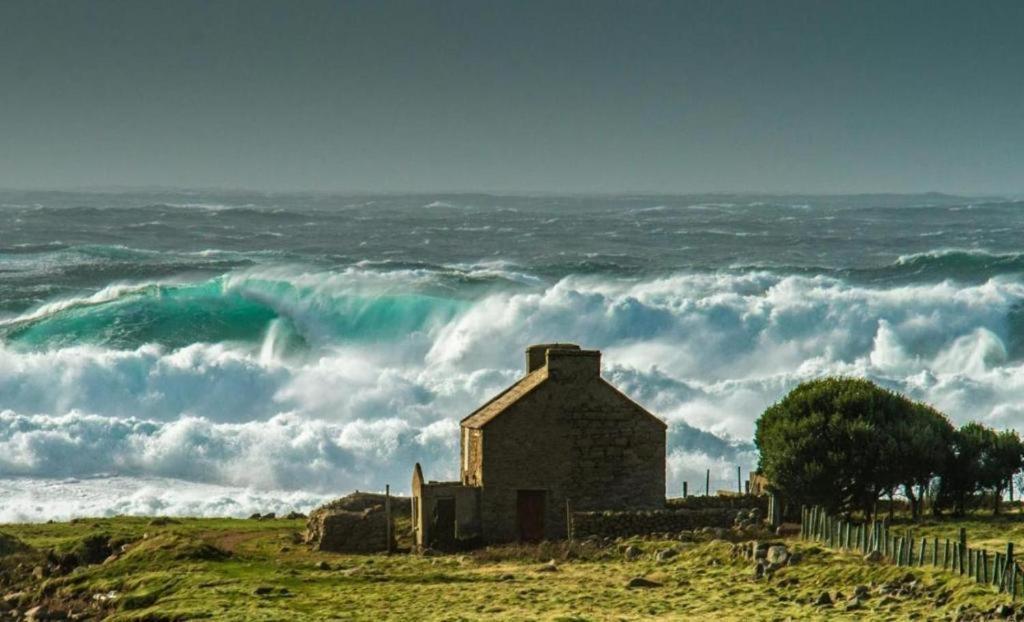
842	443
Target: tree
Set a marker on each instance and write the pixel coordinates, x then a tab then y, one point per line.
1002	458
963	474
828	442
922	445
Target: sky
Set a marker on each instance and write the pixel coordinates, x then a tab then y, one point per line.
576	97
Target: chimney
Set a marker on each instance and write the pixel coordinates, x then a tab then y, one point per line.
571	365
536	355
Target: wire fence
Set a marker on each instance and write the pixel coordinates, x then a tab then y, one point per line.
878	538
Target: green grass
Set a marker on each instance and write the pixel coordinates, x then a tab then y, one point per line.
226	569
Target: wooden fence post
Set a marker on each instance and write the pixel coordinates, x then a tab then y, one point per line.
739	481
924	547
935	552
568	520
707	483
984	566
963	549
685	491
387	513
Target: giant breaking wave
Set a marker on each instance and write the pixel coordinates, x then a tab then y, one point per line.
266	379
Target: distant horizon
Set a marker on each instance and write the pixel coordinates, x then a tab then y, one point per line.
127	189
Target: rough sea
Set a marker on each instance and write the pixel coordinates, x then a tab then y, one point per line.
213	353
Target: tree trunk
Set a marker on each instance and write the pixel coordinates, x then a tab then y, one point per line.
909	490
995	502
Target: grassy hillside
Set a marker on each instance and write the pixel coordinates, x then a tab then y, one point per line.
228	569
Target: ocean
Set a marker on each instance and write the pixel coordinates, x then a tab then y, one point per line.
220	353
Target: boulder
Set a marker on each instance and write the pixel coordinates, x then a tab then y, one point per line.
874	556
640	582
823	600
632	553
666	554
551	566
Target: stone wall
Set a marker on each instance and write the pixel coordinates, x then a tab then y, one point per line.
734	502
626	523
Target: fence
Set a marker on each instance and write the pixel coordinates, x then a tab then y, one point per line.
998	569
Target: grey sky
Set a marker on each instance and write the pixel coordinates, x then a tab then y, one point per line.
514	96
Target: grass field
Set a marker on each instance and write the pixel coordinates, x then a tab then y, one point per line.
226	569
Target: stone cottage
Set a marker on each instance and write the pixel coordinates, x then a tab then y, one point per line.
561	437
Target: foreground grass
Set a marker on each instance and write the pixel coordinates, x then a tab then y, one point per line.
228	569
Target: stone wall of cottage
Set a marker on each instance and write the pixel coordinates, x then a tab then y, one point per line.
579	440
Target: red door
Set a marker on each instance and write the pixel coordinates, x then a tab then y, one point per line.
530	510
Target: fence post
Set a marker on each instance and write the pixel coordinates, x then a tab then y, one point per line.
970	562
963	548
924	548
984	566
387	513
739	481
707	483
1009	563
568	519
935	552
685	491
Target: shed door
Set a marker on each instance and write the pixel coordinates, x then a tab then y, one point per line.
442	528
530	509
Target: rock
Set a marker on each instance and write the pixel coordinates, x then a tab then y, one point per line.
666	554
506	577
322	565
777	554
853	604
263	590
551	566
874	557
759	570
37	613
40	573
632	553
861	591
1004	611
640	582
823	600
794	558
113	557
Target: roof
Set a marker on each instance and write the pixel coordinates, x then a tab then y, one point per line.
501	402
481	416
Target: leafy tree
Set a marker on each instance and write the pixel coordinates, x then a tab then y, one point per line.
1002	458
828	443
964	473
922	446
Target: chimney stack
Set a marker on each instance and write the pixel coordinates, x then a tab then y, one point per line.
536	355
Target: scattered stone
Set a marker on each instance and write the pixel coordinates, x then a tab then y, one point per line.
263	590
853	604
666	554
322	565
640	582
777	554
113	557
758	570
632	553
506	577
40	573
874	557
37	613
1004	611
861	591
551	566
823	600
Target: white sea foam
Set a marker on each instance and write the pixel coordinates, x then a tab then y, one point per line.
707	352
